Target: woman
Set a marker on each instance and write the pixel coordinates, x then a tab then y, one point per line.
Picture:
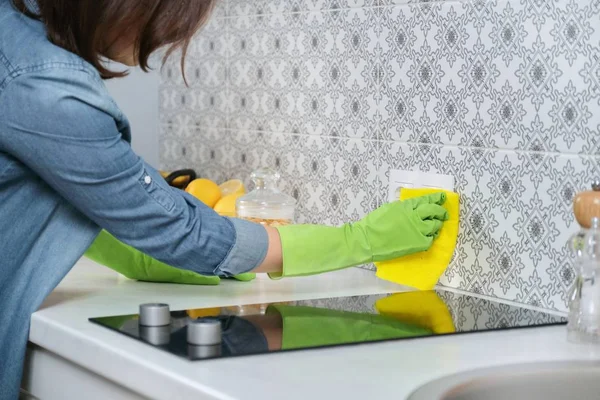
67	170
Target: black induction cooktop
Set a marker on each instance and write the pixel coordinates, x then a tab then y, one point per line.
208	333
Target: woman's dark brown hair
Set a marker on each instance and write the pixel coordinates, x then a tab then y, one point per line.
89	28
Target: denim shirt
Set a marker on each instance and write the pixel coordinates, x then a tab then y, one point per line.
67	170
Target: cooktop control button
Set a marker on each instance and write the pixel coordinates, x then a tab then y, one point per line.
203	352
156	335
155	314
204	332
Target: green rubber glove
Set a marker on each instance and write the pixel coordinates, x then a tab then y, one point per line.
247	277
393	230
132	263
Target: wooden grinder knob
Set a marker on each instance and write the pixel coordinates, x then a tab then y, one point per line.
586	205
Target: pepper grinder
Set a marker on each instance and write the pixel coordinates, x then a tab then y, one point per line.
584	297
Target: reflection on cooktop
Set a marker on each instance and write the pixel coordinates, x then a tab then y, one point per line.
207	333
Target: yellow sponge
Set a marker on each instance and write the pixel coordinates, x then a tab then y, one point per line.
424	309
423	270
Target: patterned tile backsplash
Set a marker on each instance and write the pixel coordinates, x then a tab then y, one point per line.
504	95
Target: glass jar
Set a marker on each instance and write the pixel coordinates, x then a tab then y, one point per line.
266	204
584	305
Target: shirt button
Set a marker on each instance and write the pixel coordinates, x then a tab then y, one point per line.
148	179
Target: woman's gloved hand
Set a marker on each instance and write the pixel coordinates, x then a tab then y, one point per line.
403	227
393	230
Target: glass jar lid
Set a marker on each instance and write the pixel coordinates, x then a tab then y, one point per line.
266	200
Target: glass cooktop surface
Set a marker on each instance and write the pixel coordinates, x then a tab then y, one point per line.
208	333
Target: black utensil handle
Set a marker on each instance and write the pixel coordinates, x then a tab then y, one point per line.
190	173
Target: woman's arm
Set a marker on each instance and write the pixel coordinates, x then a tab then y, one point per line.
273	262
60	122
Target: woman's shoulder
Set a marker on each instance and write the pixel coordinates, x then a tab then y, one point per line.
24	47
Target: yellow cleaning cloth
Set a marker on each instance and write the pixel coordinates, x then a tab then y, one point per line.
423	270
424	309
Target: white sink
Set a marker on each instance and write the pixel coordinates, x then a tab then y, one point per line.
560	380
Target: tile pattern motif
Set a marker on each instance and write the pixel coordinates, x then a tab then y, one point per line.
502	94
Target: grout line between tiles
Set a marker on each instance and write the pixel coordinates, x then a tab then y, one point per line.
329	10
439	145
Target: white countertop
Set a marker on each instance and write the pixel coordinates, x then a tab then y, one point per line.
381	370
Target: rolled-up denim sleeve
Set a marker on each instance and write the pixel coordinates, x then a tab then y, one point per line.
58	122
